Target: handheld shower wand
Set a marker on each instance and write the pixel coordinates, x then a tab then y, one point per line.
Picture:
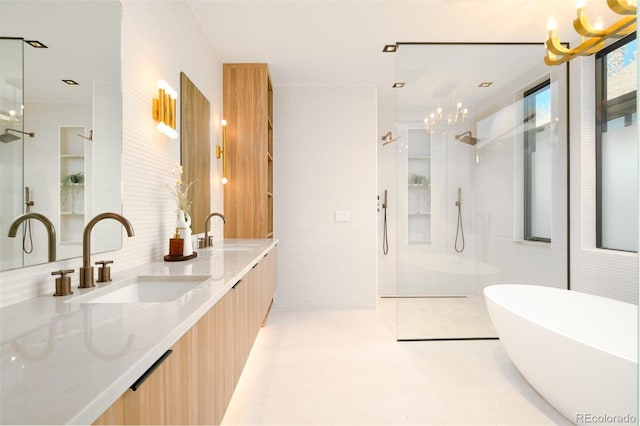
27	236
385	237
459	228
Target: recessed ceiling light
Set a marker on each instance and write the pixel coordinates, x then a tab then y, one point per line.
398	85
36	44
485	84
390	48
71	82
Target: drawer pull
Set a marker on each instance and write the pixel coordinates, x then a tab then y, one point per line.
134	387
236	284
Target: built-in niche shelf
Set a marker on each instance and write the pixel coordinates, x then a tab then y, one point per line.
72	187
418	186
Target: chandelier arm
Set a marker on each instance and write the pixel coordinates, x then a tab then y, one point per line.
558	54
622	7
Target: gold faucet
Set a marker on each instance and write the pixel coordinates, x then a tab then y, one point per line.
206	227
86	272
51	230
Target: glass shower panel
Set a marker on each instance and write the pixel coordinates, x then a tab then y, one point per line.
460	184
11	148
419	186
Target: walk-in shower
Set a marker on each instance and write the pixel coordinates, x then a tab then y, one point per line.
458	192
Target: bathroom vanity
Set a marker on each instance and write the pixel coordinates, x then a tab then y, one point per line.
181	344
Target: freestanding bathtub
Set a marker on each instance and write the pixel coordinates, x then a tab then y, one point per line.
579	351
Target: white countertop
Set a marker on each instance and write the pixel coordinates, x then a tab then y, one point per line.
65	363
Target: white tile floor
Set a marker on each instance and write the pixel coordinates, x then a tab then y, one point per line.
346	368
443	317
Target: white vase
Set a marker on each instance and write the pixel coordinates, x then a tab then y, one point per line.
183	223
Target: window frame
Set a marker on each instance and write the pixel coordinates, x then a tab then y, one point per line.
604	114
529	141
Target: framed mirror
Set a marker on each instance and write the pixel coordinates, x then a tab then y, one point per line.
194	149
60	125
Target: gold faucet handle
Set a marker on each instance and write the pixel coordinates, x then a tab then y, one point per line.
104	272
63	283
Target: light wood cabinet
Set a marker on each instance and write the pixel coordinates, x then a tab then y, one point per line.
269	279
248	109
194	384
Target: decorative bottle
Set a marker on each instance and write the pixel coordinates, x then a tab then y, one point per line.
184	224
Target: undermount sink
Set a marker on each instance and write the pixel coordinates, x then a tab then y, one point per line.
144	289
237	247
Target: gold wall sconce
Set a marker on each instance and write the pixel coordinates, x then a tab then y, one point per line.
593	36
164	109
220	150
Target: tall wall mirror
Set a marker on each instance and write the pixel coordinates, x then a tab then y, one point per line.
60	126
194	149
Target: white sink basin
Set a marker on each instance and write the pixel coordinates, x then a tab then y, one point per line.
144	289
237	247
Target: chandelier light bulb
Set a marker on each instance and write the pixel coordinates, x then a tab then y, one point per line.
598	24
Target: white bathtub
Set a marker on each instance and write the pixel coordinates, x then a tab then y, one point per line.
580	352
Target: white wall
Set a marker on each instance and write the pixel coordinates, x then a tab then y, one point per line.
44	182
602	272
155	45
325	160
387	166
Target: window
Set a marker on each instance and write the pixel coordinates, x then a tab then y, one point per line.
617	146
537	163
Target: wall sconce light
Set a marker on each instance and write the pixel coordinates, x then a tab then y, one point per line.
220	151
593	36
164	109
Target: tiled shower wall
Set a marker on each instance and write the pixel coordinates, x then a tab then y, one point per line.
602	272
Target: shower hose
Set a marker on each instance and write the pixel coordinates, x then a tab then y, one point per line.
385	237
459	230
27	238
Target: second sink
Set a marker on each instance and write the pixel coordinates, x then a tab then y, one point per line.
144	289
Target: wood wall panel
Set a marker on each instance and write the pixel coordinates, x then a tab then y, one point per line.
247	109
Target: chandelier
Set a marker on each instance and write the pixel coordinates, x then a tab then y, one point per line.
441	120
593	36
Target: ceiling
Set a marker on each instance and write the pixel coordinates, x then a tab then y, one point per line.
72	47
339	42
316	42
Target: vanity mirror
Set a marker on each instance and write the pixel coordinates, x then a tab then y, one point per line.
194	150
60	80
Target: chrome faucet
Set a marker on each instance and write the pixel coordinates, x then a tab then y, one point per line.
51	230
206	227
86	272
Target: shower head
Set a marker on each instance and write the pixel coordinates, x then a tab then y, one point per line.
467	138
388	138
8	137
